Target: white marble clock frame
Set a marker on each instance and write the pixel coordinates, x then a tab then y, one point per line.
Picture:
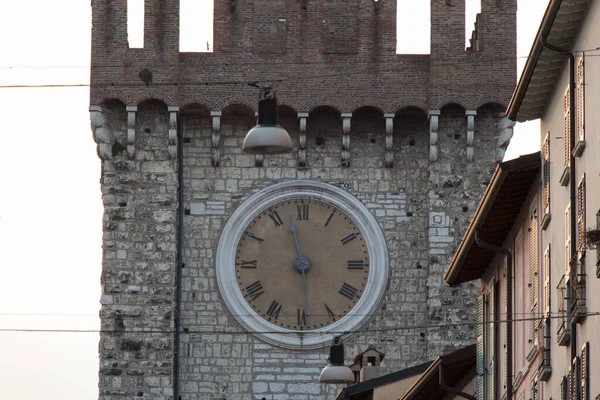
295	339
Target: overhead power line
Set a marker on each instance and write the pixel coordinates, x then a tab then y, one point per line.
294	332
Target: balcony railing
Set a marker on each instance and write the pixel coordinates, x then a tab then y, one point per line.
564	329
545	363
577	286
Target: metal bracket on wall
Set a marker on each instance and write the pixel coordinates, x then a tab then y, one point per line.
302	116
259	159
470	114
131	113
389	140
346	121
434	124
216	138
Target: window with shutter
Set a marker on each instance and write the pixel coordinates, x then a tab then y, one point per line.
580	100
507	331
534	390
533	276
564	331
547	280
585	383
480	360
545	368
567	133
564	389
581	215
546	179
573	380
568	241
491	340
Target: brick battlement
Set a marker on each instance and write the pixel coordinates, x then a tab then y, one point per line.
336	53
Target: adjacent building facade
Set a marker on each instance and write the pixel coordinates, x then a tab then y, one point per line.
533	242
407	142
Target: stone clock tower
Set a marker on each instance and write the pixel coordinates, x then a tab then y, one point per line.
225	275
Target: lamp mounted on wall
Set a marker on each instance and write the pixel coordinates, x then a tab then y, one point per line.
267	137
336	371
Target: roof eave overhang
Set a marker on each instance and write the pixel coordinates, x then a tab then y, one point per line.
559	26
442	360
452	275
532	60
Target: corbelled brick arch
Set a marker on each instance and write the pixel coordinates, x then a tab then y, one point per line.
403	104
317	103
289	102
150	94
487	101
457	99
367	105
107	95
190	100
249	102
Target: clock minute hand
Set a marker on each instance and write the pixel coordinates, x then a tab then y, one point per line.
301	264
293	229
305	298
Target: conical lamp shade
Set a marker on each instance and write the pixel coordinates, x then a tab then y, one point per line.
267	137
336	371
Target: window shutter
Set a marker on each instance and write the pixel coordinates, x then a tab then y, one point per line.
507	332
491	370
573	380
581	215
567	135
585	365
480	353
564	389
533	276
568	241
547	280
580	100
546	172
534	390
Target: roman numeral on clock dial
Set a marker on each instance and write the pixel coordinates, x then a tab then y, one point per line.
248	264
349	238
253	236
254	290
276	218
302	212
329	218
348	291
356	264
330	313
274	309
302	317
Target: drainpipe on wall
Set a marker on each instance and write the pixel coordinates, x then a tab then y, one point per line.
572	176
179	271
509	309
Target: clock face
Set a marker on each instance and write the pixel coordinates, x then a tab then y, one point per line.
302	263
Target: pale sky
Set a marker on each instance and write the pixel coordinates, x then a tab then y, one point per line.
50	205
